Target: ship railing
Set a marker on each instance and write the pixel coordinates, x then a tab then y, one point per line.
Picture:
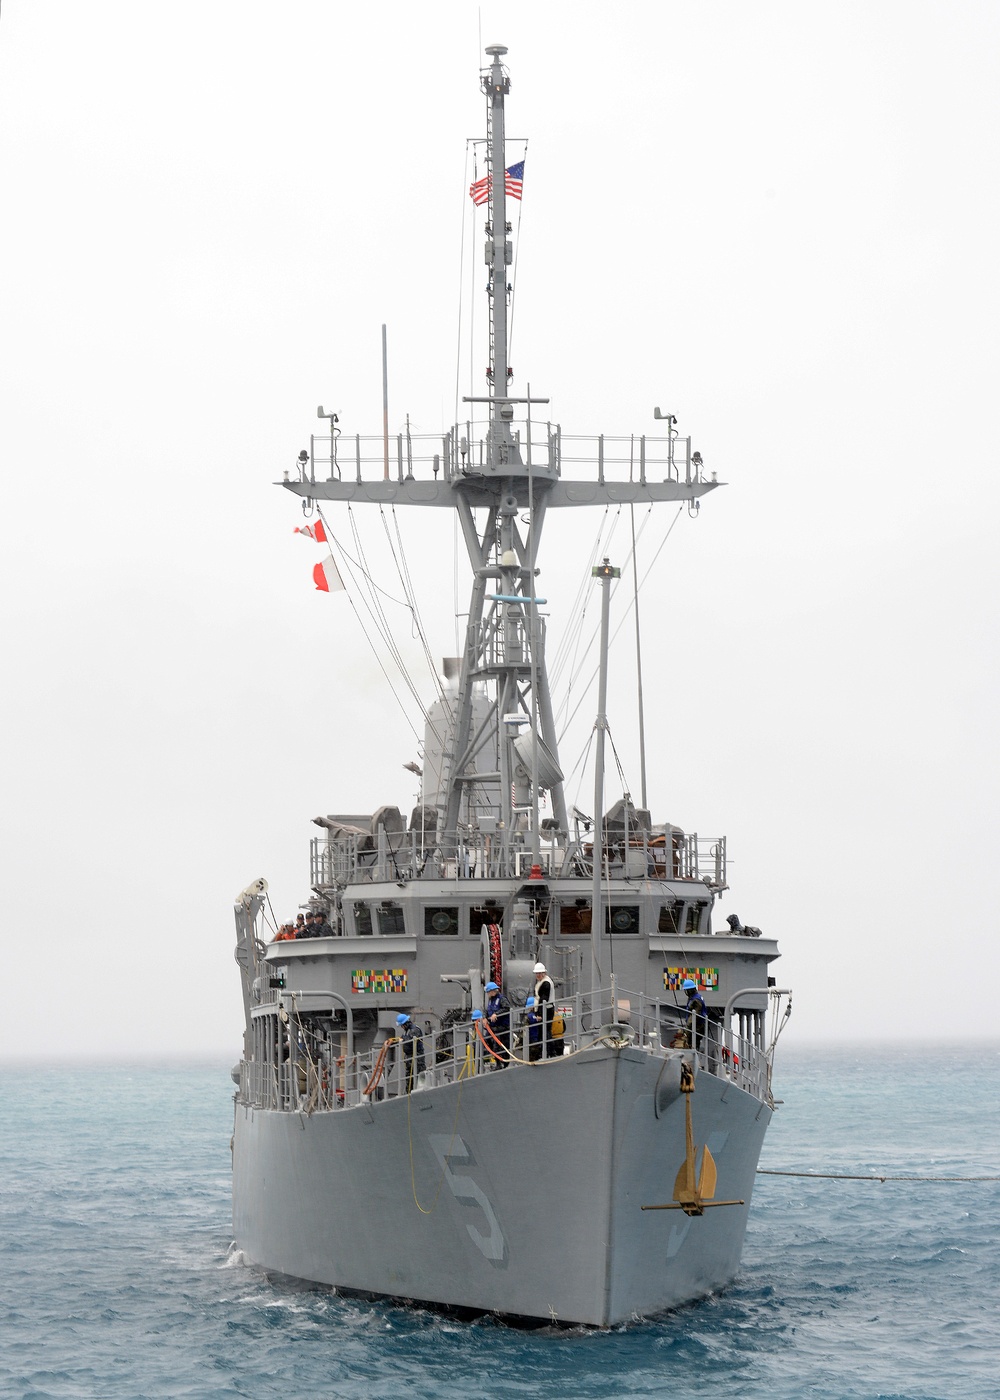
478	855
259	1084
745	1064
464	450
632	458
677	856
266	987
328	1076
502	639
468	450
412	855
663	1025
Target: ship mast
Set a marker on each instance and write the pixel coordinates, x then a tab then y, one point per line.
505	642
500	756
496	84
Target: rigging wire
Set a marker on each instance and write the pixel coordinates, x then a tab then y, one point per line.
403	569
638	664
570	639
456	602
461	271
618	763
412	594
621	623
777	1026
579	659
380	620
569	649
361	622
375	608
382	623
599	838
454	579
585	590
580	767
345	554
587	580
517	251
475	143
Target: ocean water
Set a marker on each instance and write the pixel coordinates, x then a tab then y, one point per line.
117	1276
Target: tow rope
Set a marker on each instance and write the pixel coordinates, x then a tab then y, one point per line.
848	1176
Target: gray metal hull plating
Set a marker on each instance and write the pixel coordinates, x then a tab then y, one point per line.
517	1192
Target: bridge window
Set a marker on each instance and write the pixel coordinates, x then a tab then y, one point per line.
391	919
622	919
692	923
484	914
574	919
669	920
440	919
362	919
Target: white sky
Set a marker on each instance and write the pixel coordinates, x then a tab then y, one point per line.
778	220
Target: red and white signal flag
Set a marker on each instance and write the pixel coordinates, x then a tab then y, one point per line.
326	576
313	532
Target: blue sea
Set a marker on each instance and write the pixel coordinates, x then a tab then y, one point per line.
117	1276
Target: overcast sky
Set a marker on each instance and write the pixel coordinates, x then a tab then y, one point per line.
778	221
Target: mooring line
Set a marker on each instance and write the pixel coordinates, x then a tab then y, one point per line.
844	1176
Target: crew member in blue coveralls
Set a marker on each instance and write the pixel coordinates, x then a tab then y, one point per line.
498	1018
696	1010
534	1036
413	1049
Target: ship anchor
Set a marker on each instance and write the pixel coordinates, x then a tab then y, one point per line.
690	1196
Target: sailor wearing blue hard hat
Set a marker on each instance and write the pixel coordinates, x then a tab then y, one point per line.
534	1022
696	1008
413	1049
498	1021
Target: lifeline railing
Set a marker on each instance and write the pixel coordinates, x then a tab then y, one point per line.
357	857
465	450
310	1075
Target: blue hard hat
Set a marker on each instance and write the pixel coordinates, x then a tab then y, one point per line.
530	1001
492	987
688	985
402	1019
477	1015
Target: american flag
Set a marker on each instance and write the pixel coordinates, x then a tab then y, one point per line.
479	190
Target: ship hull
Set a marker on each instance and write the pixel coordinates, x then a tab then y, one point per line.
517	1192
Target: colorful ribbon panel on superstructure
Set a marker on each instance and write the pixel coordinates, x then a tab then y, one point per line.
706	977
378	979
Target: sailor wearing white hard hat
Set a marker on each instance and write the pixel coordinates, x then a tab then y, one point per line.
545	999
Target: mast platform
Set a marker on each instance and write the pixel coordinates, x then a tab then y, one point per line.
429	469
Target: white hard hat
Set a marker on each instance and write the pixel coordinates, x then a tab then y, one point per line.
539	967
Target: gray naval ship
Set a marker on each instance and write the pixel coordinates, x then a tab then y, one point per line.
587	1156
